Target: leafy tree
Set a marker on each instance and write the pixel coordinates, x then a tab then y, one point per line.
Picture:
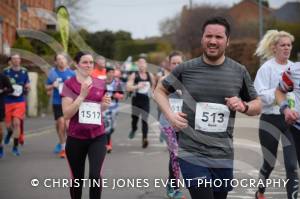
24	44
123	36
186	28
133	48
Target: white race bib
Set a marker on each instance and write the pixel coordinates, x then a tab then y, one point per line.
90	113
176	104
145	89
109	88
60	87
211	117
18	90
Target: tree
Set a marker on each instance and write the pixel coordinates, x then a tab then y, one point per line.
102	42
169	25
123	36
186	27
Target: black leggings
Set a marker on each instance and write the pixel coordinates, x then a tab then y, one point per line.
271	128
140	106
76	151
206	193
296	135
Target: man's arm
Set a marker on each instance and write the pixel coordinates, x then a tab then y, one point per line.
177	120
27	83
254	107
252	104
250	108
8	89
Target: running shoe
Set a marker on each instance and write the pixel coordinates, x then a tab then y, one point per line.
178	195
259	197
57	148
7	138
62	154
1	152
131	134
109	147
170	190
145	143
16	151
22	138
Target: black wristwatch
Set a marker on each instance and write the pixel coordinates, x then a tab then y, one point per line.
283	106
246	107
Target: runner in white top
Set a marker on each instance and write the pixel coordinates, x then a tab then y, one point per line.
276	46
291	82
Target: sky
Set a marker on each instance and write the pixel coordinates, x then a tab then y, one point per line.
140	17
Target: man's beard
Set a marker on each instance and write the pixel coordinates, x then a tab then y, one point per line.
213	57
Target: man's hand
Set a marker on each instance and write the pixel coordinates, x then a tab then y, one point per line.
178	121
235	104
55	84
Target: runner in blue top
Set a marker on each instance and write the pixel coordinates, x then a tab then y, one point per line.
56	78
15	105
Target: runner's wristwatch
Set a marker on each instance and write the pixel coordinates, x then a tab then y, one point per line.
246	107
283	106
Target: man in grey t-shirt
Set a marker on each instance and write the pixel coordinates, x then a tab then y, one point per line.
214	87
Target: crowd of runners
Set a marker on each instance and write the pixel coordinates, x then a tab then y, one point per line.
198	100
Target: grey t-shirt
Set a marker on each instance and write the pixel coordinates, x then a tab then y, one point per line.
201	82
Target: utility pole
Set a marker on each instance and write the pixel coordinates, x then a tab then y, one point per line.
19	14
261	24
261	20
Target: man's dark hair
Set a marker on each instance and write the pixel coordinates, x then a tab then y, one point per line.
109	68
175	53
219	21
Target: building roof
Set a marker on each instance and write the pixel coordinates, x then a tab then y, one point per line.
289	12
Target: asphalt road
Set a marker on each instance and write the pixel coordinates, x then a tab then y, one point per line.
140	173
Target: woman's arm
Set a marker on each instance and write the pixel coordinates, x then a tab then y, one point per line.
70	106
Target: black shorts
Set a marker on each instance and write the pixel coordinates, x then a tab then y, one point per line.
57	110
2	114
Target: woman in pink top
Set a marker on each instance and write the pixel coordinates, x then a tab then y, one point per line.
83	100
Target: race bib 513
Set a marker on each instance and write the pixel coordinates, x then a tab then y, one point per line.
211	117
